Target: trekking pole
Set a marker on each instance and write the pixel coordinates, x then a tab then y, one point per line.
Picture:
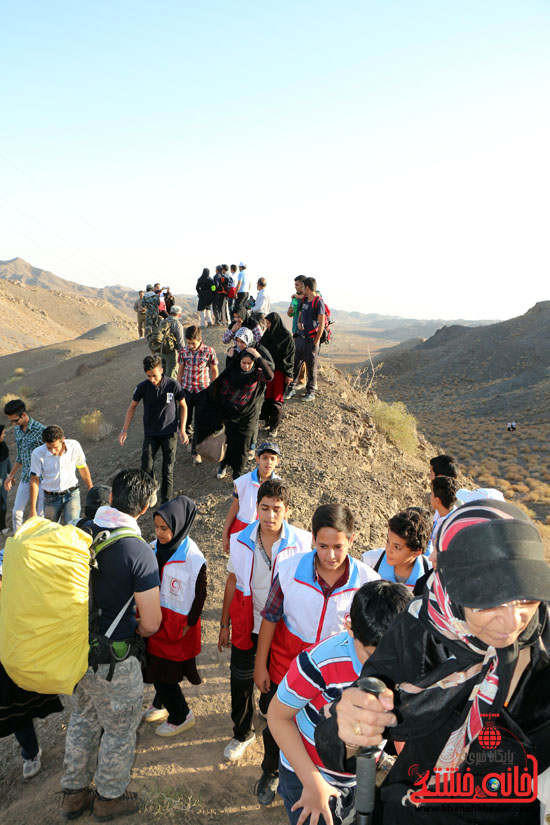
366	763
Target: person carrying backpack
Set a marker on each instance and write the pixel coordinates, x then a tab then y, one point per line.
311	326
168	340
151	302
101	734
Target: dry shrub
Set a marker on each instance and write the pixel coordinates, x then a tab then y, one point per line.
520	488
514	472
486	480
9	396
523	507
397	423
94	426
19	371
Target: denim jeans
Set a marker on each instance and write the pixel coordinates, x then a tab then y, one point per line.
168	444
21	501
67	504
290	789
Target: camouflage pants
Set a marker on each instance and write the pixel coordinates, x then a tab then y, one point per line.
114	707
152	322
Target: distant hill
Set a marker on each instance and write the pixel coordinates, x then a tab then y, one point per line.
388	327
500	369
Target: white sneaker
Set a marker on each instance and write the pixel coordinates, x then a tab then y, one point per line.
197	459
221	473
5	531
235	749
32	766
167	729
153	714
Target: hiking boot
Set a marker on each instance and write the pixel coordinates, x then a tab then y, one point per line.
290	393
76	802
309	396
153	714
32	766
266	786
107	809
168	729
235	749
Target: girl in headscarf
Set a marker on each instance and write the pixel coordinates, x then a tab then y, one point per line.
205	290
171	651
243	339
239	391
242	318
278	341
469	667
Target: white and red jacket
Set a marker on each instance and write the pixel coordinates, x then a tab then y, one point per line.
177	594
241	550
246	487
309	615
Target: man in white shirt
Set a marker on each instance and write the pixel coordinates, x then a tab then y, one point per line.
56	462
262	302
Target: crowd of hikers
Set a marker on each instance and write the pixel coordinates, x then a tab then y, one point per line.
451	615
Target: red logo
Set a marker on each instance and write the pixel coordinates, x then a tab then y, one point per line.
505	783
175	586
490	737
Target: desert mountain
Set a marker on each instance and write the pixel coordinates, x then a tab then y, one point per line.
500	369
38	308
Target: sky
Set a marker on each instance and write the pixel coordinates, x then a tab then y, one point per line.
397	151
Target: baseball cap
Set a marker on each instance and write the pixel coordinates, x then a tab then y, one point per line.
268	447
175	310
243	265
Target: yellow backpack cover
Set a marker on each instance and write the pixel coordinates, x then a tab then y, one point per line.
44	606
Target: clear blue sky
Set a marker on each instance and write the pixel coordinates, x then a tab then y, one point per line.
397	151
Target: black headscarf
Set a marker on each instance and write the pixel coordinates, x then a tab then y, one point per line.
179	514
279	343
4	449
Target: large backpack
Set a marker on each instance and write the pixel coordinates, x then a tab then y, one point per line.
151	302
326	335
47	635
162	339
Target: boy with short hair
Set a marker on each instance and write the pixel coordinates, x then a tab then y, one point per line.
164	416
198	367
316	678
244	507
308	601
403	558
443	465
254	553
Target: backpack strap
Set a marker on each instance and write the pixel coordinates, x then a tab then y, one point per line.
379	562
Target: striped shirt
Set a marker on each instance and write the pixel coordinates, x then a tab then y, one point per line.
196	367
26	441
316	678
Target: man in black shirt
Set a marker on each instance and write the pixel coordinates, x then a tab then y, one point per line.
107	701
164	415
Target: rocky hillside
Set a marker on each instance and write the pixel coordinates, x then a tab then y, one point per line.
500	369
38	308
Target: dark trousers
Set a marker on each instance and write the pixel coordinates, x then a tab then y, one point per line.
171	697
26	736
219	305
191	427
241	668
168	444
238	445
270	762
306	354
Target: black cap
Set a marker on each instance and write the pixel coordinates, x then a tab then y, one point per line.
491	554
96	497
268	447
